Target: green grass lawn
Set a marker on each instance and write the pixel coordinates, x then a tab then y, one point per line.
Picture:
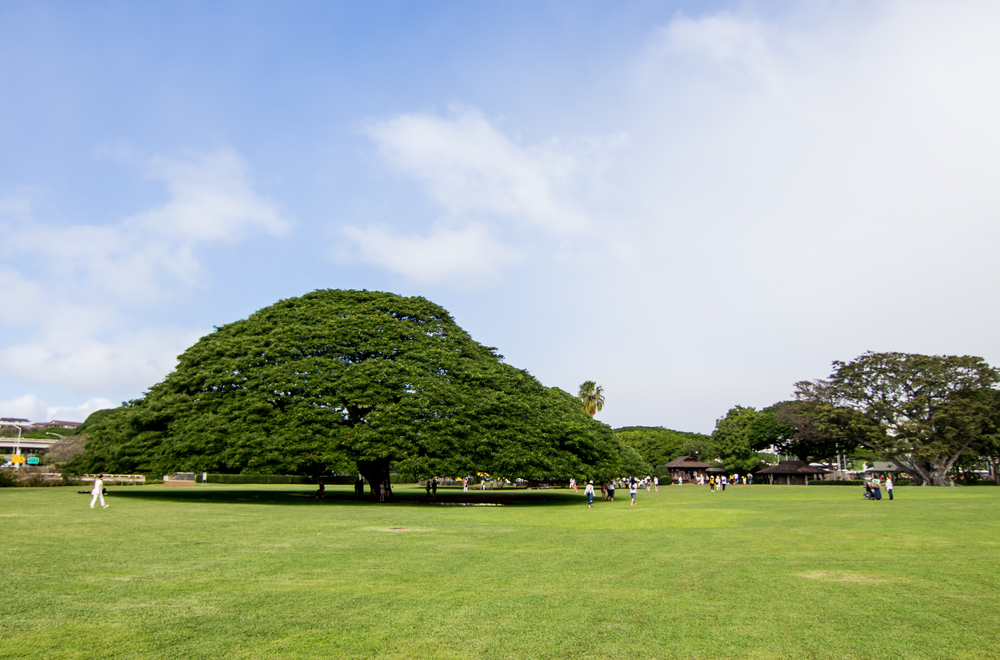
265	572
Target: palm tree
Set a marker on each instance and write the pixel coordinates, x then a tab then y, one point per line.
592	397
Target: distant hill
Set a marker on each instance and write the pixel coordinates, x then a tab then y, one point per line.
658	445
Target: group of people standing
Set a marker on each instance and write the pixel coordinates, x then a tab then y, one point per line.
720	482
608	488
873	487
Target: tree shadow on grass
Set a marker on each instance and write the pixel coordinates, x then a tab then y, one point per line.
307	497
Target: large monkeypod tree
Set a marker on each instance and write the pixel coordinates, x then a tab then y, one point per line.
343	380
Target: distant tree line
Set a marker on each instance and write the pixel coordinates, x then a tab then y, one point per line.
935	418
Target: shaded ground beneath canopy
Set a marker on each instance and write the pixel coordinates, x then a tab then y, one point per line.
306	496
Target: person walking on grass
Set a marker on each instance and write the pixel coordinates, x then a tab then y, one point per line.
633	488
589	492
98	492
656	484
611	490
888	485
877	488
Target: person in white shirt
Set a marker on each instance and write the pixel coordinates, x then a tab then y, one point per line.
633	488
98	492
589	492
888	485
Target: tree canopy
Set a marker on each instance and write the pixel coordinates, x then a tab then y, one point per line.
929	408
659	446
810	431
734	440
341	380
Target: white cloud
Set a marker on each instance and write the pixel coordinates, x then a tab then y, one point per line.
21	297
15	206
82	288
211	200
141	257
460	256
32	408
805	190
490	190
130	361
740	44
471	169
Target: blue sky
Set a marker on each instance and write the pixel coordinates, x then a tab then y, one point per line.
694	204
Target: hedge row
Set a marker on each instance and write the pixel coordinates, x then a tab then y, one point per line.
259	479
333	480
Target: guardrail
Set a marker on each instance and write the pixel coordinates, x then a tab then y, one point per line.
120	479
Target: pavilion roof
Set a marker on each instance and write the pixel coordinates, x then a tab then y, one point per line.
686	463
793	467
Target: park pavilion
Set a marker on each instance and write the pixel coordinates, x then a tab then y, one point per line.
687	467
792	473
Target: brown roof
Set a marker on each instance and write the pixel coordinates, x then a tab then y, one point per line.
793	467
686	463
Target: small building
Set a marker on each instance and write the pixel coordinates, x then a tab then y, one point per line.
880	467
56	424
686	467
791	473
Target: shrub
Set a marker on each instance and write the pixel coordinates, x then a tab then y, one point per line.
7	477
260	479
33	478
65	450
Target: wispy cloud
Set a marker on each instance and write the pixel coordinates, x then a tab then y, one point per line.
32	408
472	169
470	253
80	304
211	202
486	185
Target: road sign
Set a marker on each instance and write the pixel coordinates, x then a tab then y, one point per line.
32	460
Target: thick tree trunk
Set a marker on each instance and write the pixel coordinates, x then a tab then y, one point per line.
375	473
919	478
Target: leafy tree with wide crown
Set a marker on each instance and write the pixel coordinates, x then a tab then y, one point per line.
350	380
929	409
